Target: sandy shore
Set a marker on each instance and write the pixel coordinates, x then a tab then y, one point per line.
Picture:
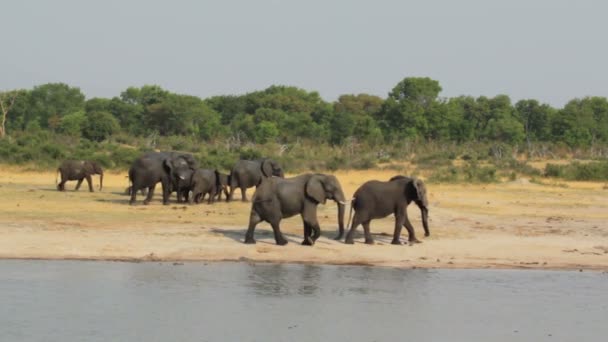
509	225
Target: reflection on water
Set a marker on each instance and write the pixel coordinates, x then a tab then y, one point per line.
101	301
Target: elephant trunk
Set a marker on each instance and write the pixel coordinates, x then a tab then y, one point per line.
100	180
425	220
341	210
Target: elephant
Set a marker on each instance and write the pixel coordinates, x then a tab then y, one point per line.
376	199
184	186
224	183
248	173
205	182
278	198
164	167
79	170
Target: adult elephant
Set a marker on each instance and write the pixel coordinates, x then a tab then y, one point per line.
79	170
278	198
248	173
376	199
205	182
164	167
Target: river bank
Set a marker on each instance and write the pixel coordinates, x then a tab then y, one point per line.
508	225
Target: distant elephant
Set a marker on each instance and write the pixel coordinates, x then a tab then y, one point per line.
205	182
375	199
278	198
248	173
164	167
79	170
224	183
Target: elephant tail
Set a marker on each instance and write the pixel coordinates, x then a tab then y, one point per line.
130	185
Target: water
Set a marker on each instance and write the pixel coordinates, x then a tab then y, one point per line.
108	301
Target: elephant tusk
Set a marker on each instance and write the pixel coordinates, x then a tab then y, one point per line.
344	202
182	177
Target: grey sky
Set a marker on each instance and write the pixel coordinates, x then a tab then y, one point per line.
550	50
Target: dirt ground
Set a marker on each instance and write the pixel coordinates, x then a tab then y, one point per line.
516	224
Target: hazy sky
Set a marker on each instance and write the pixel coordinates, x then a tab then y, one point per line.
550	50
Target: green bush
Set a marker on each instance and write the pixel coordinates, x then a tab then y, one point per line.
594	171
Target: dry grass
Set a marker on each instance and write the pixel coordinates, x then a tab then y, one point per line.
515	224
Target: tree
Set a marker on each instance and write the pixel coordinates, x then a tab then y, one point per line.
535	118
98	126
359	112
73	123
50	102
405	112
265	131
7	100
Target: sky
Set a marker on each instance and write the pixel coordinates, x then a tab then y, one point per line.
549	50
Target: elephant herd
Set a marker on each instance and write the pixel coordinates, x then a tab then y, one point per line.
275	197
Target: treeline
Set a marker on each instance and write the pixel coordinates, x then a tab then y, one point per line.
56	121
412	110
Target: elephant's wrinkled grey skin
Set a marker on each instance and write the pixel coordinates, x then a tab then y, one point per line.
143	191
248	173
204	182
224	183
278	198
79	170
376	199
164	167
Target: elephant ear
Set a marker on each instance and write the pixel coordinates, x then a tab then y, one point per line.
420	191
266	167
168	166
315	190
88	166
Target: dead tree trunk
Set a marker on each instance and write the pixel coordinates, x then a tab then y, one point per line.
6	102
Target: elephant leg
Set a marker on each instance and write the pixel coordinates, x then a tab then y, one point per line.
210	200
311	225
254	219
243	194
167	189
308	241
133	195
150	194
78	184
410	230
225	190
400	217
231	194
368	235
90	182
349	236
61	185
278	236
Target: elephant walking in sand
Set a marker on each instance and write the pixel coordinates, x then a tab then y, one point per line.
279	198
376	199
79	170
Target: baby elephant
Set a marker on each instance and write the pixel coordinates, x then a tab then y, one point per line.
224	183
376	199
204	182
79	170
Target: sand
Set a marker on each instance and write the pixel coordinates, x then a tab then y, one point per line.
516	224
